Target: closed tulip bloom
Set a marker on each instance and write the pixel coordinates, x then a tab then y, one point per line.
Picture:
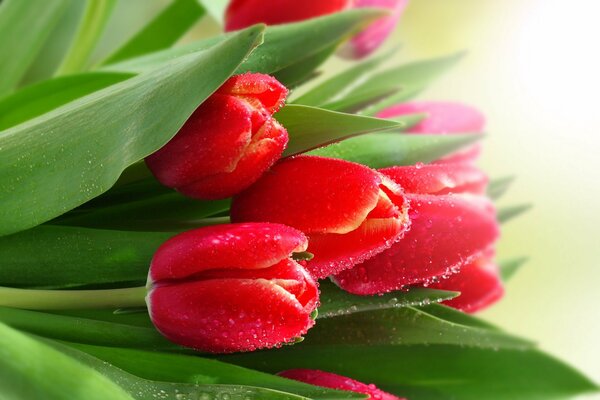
229	288
334	381
227	143
448	231
443	118
478	282
348	211
243	13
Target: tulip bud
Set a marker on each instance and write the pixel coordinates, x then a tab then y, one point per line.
479	285
443	118
334	381
232	287
348	211
227	143
447	231
243	13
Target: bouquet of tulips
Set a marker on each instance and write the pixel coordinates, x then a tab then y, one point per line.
213	220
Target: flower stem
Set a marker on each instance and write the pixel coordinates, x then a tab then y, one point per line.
33	299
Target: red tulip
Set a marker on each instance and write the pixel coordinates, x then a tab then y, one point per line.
447	232
227	143
443	118
479	285
243	13
334	381
232	287
348	211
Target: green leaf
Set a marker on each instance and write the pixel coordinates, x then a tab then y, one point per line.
144	389
509	267
505	214
32	370
497	187
63	158
379	150
43	97
409	79
336	302
299	73
310	127
162	32
61	256
336	86
196	370
453	315
85	330
284	45
406	325
90	29
24	26
433	372
170	212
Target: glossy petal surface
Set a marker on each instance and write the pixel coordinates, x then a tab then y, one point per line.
243	13
446	232
334	381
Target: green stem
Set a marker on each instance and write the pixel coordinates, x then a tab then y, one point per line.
33	299
91	27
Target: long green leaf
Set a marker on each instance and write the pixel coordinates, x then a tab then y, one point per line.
508	268
336	86
61	256
497	187
434	372
336	302
162	32
507	213
216	8
301	72
310	127
90	29
196	370
283	46
30	369
406	325
379	150
64	158
408	78
24	26
38	99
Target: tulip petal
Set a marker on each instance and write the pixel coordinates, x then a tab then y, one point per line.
334	381
479	285
243	13
212	139
438	178
446	232
227	315
241	246
367	41
313	194
264	150
442	117
268	91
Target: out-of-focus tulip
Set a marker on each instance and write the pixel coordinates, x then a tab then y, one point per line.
443	118
348	211
479	285
232	287
334	381
243	13
448	231
227	143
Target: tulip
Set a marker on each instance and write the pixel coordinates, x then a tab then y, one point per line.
334	381
348	211
452	225
243	13
229	288
479	285
227	143
443	118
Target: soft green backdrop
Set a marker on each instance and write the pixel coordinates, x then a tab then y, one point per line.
533	69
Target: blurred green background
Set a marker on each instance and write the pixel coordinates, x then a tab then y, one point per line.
533	68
